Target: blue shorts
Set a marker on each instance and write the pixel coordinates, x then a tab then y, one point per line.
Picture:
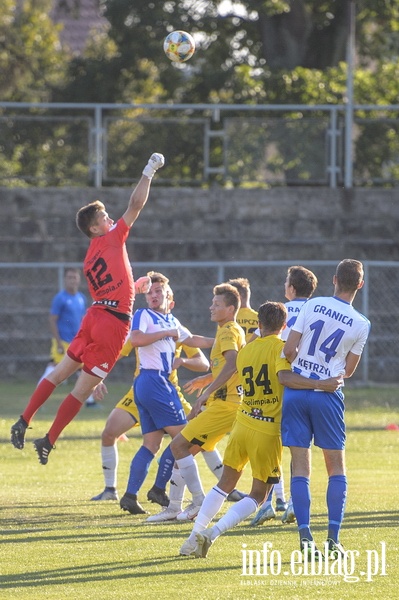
157	401
309	415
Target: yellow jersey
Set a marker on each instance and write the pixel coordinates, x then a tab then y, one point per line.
229	336
247	318
258	365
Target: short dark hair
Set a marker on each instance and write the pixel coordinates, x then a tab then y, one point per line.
230	293
349	274
243	287
302	280
86	216
272	315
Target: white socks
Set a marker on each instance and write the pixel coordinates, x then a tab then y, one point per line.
214	462
237	513
176	490
210	507
278	489
90	400
189	471
155	162
110	459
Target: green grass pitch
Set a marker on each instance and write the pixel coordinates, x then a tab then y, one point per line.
57	544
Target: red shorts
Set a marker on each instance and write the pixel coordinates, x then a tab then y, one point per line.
99	341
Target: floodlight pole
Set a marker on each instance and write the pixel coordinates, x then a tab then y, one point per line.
350	54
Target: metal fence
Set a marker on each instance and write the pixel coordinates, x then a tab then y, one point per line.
104	144
27	289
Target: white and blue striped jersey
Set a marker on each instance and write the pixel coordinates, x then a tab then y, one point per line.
330	328
293	307
158	355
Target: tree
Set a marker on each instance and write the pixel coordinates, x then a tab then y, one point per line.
255	51
248	51
31	60
32	66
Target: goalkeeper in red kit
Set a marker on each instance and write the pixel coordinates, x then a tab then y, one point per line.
106	325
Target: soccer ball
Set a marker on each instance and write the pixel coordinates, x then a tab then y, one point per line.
179	46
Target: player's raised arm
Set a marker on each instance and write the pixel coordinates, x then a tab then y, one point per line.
140	193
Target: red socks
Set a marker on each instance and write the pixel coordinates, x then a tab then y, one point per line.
66	412
38	398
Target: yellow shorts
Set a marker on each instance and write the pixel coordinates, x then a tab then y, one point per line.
263	451
56	356
210	426
186	405
128	404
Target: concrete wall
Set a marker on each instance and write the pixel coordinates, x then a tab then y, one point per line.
216	224
298	225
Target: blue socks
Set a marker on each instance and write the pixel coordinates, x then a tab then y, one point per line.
300	492
336	501
165	468
138	469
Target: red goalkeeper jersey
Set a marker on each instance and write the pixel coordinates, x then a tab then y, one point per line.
108	271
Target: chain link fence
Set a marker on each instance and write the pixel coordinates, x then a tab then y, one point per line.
73	144
27	290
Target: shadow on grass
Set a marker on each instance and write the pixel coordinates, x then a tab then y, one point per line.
60	527
352	520
108	572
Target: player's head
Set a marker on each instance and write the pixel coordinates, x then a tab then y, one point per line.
300	283
272	317
159	295
348	276
93	220
225	303
71	279
244	289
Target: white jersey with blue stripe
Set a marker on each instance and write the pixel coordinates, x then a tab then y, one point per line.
330	328
158	355
293	307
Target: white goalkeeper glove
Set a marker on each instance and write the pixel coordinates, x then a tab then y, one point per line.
156	162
